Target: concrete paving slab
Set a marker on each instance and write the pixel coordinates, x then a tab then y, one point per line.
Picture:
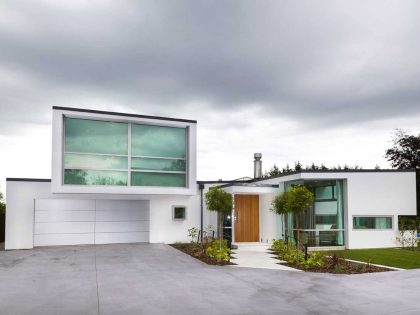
158	279
256	255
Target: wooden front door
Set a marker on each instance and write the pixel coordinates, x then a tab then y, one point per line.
247	221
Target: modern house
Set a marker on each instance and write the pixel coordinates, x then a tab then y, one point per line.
122	178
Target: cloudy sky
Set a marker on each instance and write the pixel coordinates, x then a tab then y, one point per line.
314	81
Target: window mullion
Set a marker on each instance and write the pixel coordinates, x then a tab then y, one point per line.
129	155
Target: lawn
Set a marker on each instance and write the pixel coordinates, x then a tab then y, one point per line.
393	257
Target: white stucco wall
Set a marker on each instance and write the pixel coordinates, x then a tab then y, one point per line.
370	193
163	229
268	220
366	193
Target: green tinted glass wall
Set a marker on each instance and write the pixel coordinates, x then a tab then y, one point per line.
372	223
97	153
94	177
72	160
157	179
96	136
157	164
158	141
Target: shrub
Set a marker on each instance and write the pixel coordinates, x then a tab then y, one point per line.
283	248
192	232
288	252
315	260
219	253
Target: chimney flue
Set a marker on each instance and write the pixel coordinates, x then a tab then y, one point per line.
257	165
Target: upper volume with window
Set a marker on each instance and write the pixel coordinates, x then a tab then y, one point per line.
97	153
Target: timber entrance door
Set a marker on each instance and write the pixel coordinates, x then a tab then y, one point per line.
247	218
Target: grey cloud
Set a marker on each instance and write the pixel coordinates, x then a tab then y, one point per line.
315	62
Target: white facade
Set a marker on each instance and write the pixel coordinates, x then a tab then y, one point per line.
26	229
366	193
44	212
58	149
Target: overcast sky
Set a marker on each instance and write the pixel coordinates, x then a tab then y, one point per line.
314	81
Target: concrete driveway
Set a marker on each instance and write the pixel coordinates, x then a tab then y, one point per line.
157	279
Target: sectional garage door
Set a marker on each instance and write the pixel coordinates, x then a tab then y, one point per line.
70	222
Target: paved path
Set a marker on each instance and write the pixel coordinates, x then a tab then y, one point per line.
157	279
256	255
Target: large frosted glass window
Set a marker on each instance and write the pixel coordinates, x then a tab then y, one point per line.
93	177
97	152
158	156
158	141
157	164
372	223
96	136
157	179
72	160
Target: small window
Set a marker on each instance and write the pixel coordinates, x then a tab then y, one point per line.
179	212
372	223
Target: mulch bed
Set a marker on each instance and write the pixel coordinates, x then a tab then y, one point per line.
338	265
197	252
345	267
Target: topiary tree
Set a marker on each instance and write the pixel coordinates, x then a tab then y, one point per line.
296	201
220	201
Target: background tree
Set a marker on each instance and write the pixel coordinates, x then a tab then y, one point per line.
274	171
220	201
405	154
296	200
2	204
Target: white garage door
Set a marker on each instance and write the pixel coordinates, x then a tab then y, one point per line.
71	222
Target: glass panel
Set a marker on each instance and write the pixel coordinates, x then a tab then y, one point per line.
326	208
329	220
372	223
90	177
158	141
179	213
94	161
325	215
95	136
157	164
157	179
326	192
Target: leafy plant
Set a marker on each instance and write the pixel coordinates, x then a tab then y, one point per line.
333	261
288	252
315	260
283	248
220	201
192	232
295	201
219	253
407	231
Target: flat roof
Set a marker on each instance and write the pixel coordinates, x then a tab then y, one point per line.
14	179
83	110
324	171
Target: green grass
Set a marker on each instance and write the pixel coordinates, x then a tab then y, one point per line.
393	257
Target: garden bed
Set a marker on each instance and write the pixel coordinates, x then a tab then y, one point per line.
322	262
196	251
341	266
